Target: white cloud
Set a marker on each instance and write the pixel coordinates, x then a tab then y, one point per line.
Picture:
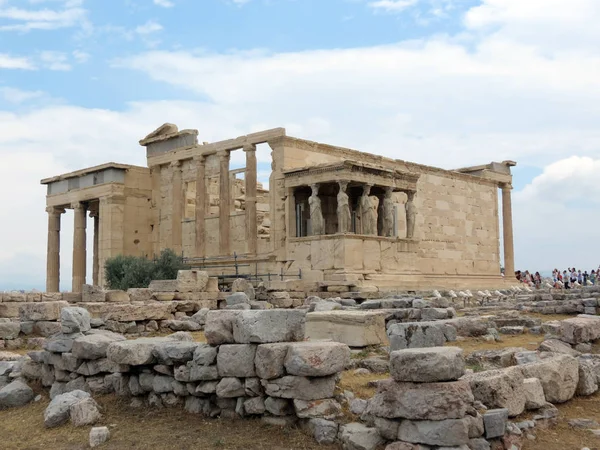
81	56
15	62
55	60
70	14
148	28
17	96
394	6
164	3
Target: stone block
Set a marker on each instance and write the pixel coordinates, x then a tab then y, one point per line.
559	376
230	387
270	360
9	330
98	436
324	431
15	394
84	412
57	411
245	286
218	328
494	422
356	436
280	299
61	343
9	310
316	359
174	352
430	314
191	281
301	388
139	294
163	286
328	409
588	383
534	394
236	360
41	311
92	294
267	326
46	328
425	365
416	335
421	401
237	298
116	296
353	328
557	346
74	320
580	329
444	433
134	352
501	388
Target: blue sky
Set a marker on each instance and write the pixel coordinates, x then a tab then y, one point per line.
449	83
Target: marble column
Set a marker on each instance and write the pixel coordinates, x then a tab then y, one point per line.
177	204
95	259
251	181
53	252
79	244
224	204
200	205
507	227
411	215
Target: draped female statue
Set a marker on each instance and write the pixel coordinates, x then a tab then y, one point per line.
316	213
343	209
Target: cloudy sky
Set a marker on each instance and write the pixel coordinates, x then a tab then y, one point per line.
448	83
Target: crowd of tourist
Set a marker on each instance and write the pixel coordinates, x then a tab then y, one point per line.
567	279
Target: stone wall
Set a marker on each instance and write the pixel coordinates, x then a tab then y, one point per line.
255	363
571	301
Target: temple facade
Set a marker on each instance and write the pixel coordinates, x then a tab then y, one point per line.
331	214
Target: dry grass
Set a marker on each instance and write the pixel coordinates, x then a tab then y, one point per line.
359	384
528	341
23	429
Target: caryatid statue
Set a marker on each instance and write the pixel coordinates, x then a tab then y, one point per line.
368	211
388	212
316	213
411	215
343	209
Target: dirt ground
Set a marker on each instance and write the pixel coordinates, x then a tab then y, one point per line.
172	429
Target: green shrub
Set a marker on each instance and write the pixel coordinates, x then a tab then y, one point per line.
125	272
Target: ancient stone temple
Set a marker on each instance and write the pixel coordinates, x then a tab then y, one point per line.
330	213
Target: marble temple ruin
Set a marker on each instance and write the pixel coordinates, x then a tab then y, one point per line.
333	214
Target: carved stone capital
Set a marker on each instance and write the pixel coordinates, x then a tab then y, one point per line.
200	159
78	206
54	210
249	147
506	186
224	155
175	164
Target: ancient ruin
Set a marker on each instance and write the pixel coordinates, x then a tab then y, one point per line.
334	215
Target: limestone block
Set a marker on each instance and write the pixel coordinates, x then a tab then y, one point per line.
445	433
191	280
9	310
84	412
34	297
117	296
237	298
134	352
325	409
15	394
416	335
9	330
588	383
236	360
245	286
139	294
324	431
430	314
14	297
501	388
421	401
580	329
280	299
162	384
230	387
534	394
353	328
301	388
202	373
218	328
254	406
41	311
74	320
316	359
495	423
94	346
270	359
163	286
427	365
559	376
92	294
266	326
57	411
204	355
61	343
174	352
356	436
72	297
46	328
124	312
98	436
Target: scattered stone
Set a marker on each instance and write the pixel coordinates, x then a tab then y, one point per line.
84	412
98	436
324	431
559	376
244	286
585	424
15	394
500	388
534	393
75	320
57	411
556	346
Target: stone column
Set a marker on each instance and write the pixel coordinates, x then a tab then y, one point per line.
177	211
509	254
79	244
224	203
251	181
95	260
53	253
200	205
411	215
